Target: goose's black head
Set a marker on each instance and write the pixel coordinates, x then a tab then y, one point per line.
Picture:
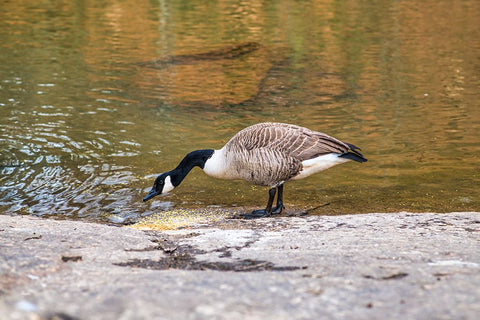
167	181
162	184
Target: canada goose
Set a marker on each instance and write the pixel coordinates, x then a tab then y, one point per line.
266	154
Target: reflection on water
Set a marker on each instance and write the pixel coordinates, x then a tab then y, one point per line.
95	100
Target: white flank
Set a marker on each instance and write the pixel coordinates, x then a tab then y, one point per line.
168	186
318	164
215	166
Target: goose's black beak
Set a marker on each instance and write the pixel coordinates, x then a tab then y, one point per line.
150	195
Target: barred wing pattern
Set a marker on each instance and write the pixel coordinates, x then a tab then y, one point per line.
271	153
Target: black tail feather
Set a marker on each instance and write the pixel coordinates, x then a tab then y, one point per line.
353	154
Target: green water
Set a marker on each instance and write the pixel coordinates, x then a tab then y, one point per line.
96	98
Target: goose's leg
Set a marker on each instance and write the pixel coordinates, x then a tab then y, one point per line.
279	207
263	212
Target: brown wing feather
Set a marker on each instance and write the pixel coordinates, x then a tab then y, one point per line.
272	153
291	140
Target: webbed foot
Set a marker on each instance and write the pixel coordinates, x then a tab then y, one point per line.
255	214
278	208
268	211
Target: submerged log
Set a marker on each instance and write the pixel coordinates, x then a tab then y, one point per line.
224	53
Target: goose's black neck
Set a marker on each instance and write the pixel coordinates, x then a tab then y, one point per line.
195	158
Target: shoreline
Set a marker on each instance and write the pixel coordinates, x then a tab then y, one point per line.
362	266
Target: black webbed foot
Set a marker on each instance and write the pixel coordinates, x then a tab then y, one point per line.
278	208
255	214
268	211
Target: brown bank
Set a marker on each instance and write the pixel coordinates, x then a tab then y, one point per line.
404	266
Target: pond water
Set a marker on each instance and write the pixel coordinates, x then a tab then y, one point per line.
97	98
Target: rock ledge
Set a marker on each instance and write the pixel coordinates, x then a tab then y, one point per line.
366	266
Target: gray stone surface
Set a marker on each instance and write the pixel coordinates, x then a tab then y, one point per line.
372	266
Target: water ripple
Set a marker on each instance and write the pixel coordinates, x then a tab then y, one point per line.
91	112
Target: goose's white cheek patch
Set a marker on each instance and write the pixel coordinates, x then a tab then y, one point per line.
168	186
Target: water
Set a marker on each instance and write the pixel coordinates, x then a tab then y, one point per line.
96	99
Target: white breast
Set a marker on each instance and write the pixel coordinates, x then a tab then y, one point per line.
216	166
318	164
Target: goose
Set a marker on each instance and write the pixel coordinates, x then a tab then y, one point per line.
266	154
